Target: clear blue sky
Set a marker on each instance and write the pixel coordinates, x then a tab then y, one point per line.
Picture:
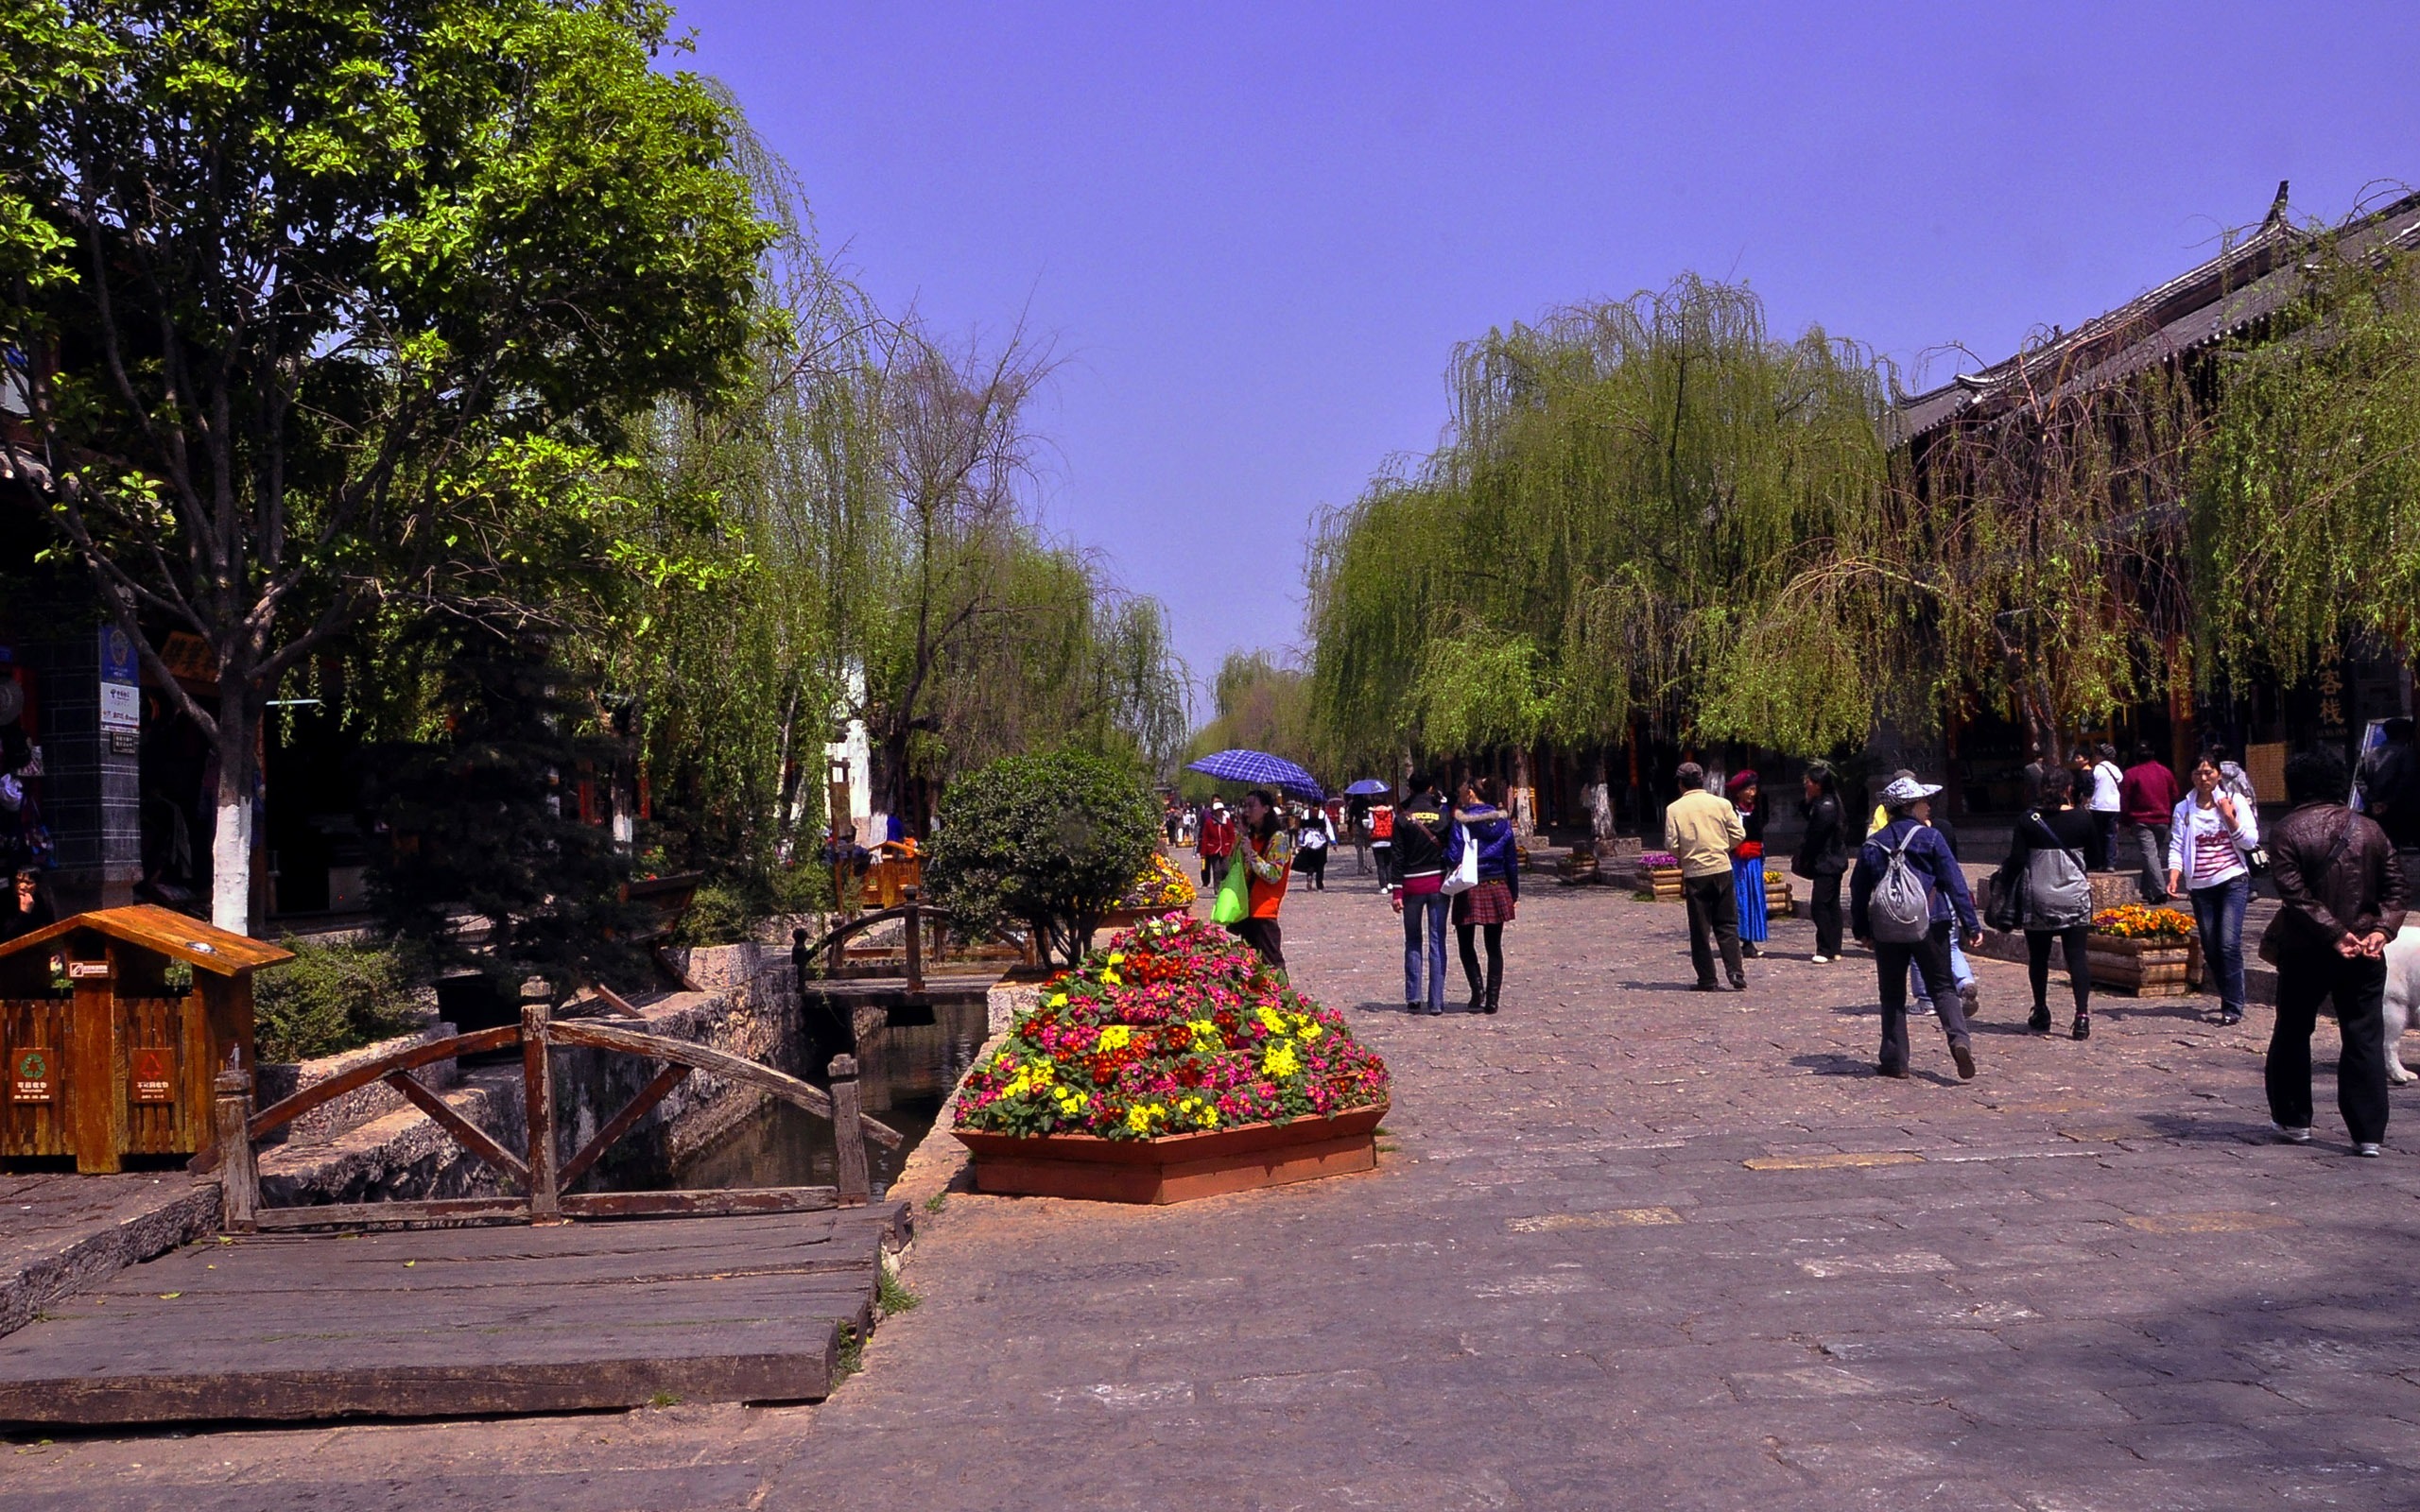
1258	231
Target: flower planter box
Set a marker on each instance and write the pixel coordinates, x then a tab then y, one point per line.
2148	968
1175	1167
1659	884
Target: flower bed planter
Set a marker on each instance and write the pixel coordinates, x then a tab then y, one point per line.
2146	967
1659	884
1780	903
1175	1167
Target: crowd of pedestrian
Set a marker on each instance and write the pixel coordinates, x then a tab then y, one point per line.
2331	858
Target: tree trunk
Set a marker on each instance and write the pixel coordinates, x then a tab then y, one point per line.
230	843
1600	800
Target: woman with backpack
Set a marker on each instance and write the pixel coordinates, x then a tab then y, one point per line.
2207	840
1905	898
2043	890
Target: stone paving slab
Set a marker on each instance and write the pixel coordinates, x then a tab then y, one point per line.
1628	1246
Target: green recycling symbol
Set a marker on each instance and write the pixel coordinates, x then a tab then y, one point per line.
32	1067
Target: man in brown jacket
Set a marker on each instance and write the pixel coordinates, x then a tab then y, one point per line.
1701	828
2342	892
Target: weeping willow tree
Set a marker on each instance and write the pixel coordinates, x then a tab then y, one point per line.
1256	704
1625	491
2306	500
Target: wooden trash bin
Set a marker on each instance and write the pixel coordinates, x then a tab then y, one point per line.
115	1065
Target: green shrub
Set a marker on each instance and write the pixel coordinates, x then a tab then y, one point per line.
1050	840
334	998
723	913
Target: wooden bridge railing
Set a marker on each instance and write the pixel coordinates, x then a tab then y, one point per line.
543	1198
918	917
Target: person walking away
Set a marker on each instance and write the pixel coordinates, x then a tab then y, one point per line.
1262	849
1488	907
1315	838
1881	810
1217	843
2390	785
2147	799
2046	876
1905	897
1419	892
1961	970
1747	863
1382	840
1701	828
2108	783
1357	829
1823	857
2210	836
2341	893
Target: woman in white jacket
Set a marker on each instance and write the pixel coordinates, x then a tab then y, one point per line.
2212	832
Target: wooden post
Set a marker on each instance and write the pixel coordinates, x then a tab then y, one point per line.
848	1135
538	1100
915	922
239	1179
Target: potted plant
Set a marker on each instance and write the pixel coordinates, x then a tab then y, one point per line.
2146	950
1779	901
1659	875
1166	1067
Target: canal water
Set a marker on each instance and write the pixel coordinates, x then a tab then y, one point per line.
905	1068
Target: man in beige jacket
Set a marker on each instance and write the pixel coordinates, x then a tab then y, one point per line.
1701	828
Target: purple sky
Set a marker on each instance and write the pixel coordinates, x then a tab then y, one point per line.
1256	234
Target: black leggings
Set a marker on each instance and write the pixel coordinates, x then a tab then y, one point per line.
2037	963
1462	933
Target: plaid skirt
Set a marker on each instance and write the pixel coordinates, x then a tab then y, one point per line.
1490	902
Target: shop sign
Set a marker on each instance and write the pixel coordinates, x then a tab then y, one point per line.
155	1070
33	1075
88	971
121	696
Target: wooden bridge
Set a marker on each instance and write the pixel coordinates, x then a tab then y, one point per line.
519	1302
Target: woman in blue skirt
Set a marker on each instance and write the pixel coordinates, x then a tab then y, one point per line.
1747	863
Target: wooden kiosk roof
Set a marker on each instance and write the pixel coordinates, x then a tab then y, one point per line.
204	947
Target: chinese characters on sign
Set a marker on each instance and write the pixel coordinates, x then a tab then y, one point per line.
31	1079
154	1074
2331	695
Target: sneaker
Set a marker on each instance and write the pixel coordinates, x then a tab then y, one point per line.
1895	1072
2368	1152
2229	1020
1821	960
2292	1135
1704	987
1415	1007
1964	1055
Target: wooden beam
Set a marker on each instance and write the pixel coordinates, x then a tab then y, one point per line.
239	1182
621	1123
470	1135
720	1204
538	1100
721	1063
358	1215
848	1135
279	1114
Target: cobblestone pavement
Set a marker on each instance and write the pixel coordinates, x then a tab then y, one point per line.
1631	1246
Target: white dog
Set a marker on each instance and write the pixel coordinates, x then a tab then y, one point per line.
2402	998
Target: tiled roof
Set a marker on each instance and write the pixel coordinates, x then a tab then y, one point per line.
2249	280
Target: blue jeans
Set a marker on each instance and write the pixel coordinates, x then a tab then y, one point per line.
2219	911
1960	970
1432	907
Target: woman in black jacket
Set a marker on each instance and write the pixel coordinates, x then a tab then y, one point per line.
2058	824
1823	857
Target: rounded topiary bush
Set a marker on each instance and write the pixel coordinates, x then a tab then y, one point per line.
1049	841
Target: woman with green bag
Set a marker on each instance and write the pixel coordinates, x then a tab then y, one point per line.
1264	859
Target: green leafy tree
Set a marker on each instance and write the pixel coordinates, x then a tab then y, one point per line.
1052	840
336	305
483	821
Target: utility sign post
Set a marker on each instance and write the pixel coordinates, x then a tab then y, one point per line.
121	690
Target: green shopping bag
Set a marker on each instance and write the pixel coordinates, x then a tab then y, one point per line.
1234	903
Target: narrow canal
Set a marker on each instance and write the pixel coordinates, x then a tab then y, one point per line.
909	1057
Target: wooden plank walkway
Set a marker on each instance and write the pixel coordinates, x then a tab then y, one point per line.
453	1322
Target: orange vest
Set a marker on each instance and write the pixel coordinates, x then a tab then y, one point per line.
1266	896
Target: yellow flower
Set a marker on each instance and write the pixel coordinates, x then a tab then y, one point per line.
1138	1120
1272	1020
1307	1027
1116	958
1209	1118
1203	1028
1281	1061
1059	1000
1115	1037
1110	979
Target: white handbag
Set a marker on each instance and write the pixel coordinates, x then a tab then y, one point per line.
1465	876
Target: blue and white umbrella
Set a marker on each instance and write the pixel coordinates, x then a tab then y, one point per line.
1260	769
1368	787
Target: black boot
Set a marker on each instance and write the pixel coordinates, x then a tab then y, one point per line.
1491	1001
2040	1022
